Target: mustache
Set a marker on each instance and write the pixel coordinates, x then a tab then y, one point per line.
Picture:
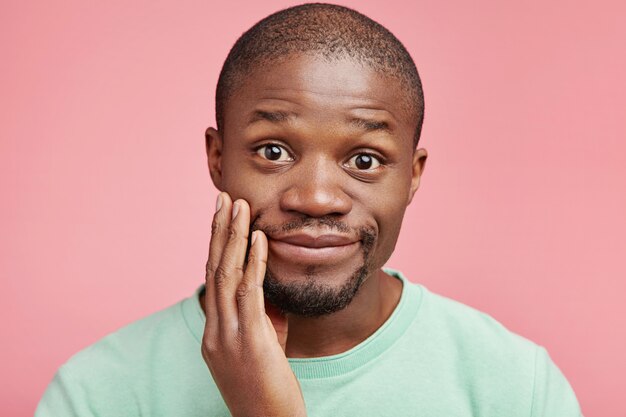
367	234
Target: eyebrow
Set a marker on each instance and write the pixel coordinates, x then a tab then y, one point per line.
370	125
278	116
271	116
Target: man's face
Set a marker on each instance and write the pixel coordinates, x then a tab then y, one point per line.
319	148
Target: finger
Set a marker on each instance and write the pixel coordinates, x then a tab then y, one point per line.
250	298
219	236
278	323
230	270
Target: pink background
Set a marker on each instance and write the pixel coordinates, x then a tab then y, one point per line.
107	201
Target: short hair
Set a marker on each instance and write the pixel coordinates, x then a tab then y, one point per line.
331	31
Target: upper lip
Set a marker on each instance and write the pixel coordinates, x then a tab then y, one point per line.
316	241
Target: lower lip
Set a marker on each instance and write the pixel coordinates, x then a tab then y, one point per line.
296	253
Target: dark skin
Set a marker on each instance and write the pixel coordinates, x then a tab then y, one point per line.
323	116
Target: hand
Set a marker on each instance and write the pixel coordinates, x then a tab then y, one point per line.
243	348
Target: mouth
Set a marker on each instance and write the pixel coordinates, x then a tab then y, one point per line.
292	252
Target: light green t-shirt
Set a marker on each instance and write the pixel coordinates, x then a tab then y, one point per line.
432	357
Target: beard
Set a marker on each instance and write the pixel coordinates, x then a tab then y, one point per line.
312	298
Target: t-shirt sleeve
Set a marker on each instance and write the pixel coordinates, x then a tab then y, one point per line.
553	396
63	397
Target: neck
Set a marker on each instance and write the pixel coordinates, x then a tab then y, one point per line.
338	332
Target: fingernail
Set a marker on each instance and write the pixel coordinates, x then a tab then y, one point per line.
253	238
235	209
218	204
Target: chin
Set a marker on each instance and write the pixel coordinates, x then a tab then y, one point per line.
317	281
313	290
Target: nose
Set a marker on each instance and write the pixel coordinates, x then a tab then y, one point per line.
316	190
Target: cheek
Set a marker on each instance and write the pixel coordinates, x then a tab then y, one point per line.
262	195
388	206
238	179
389	222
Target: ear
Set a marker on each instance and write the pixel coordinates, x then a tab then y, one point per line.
214	142
419	162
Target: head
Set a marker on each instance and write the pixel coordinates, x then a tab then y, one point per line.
319	112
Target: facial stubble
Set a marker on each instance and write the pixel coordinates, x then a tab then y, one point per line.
314	298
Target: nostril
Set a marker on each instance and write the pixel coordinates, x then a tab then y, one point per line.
316	202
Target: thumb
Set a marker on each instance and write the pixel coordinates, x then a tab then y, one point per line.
278	321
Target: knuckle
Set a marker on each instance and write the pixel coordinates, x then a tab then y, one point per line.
255	259
245	290
210	348
252	258
219	272
234	234
215	227
220	276
210	269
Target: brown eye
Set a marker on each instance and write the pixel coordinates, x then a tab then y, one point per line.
273	152
364	161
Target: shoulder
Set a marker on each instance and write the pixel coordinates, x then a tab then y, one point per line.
456	333
121	371
125	354
490	359
110	375
476	349
471	330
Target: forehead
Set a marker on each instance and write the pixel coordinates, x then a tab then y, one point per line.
324	86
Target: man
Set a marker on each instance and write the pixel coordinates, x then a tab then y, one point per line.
319	112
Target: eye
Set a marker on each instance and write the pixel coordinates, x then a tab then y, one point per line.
273	152
364	161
